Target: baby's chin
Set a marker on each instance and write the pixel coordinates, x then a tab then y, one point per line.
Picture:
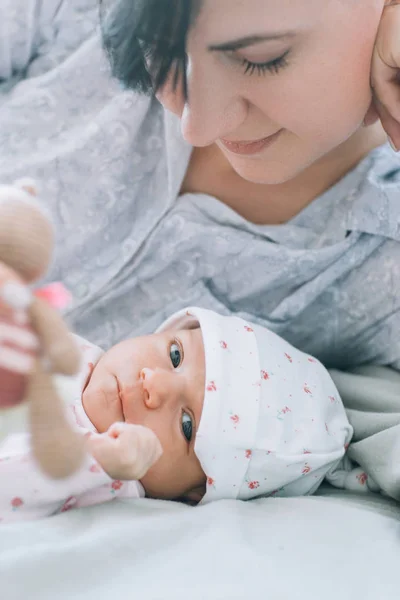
162	483
154	489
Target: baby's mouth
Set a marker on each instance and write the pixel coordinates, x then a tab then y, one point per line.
120	396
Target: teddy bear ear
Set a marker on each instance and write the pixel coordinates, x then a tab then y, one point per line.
28	185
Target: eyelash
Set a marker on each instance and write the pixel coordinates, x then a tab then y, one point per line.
274	66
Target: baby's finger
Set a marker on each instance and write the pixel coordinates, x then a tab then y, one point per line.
137	437
106	452
100	446
150	449
387	105
125	451
390	125
139	449
115	430
372	115
385	66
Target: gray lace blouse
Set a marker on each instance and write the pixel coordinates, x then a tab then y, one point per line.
132	251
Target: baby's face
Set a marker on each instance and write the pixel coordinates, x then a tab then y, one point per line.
157	381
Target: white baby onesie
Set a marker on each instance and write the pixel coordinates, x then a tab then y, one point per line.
27	494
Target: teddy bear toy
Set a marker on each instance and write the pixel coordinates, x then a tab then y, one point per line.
35	343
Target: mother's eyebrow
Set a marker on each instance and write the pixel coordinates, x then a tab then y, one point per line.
250	40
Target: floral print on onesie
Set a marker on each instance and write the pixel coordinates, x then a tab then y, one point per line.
27	494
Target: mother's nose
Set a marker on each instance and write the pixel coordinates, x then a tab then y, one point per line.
214	108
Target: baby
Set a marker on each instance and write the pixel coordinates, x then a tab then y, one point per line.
208	407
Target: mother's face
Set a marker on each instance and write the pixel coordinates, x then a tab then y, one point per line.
309	80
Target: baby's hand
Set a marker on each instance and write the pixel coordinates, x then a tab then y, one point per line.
125	451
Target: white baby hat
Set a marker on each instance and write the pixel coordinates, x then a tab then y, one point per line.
273	422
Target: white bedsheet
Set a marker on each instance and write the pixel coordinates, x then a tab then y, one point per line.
311	548
334	546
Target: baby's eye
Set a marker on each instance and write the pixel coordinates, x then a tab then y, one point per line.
187	426
176	355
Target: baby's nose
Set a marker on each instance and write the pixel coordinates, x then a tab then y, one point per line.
158	387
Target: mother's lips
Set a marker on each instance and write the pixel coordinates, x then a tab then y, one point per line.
250	147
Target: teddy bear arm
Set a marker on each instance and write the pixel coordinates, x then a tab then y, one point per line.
56	446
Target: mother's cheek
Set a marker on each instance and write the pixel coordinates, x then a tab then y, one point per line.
335	102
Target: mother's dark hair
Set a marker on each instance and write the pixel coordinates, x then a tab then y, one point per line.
139	35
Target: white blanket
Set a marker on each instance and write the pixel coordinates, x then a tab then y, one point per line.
334	546
317	547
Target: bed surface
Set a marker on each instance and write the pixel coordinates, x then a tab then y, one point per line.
329	546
